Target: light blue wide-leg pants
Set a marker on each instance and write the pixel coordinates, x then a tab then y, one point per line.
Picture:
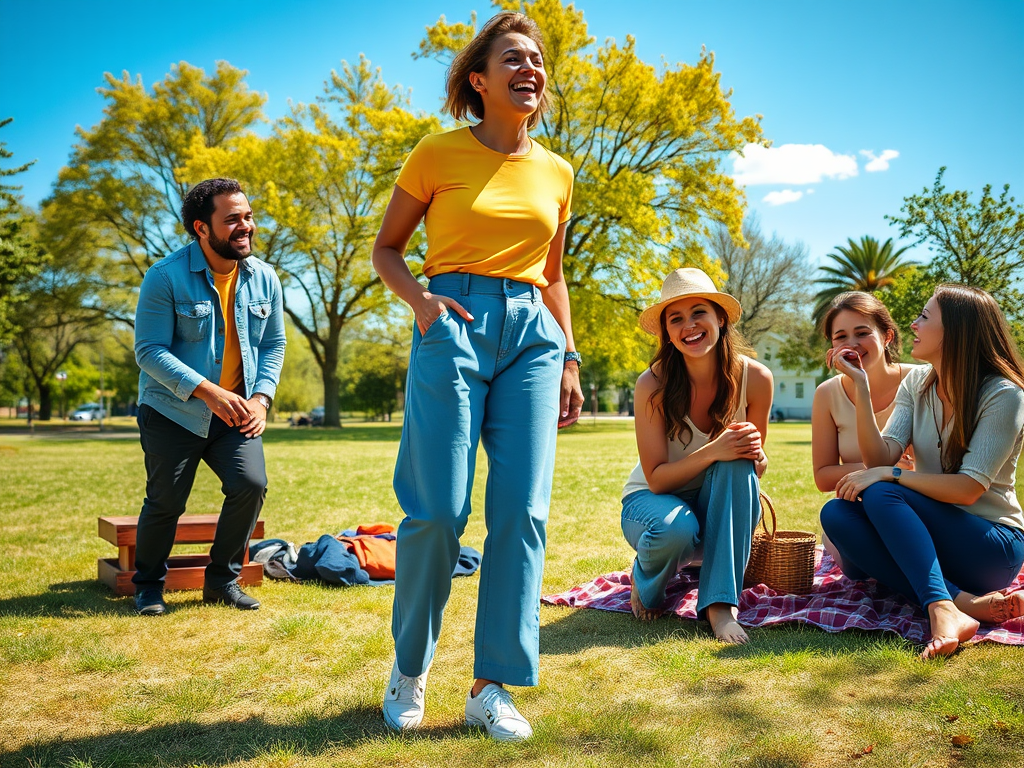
665	529
497	378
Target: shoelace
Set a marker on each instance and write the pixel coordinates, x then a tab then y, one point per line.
499	702
412	685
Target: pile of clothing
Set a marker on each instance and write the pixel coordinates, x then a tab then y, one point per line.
364	555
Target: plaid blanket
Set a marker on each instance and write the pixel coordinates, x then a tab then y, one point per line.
834	604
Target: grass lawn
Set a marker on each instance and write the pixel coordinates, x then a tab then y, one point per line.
84	682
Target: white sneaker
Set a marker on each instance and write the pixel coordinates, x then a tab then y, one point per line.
403	700
493	709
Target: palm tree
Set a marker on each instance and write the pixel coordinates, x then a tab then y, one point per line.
859	266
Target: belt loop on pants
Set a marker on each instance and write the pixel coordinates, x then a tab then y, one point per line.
465	283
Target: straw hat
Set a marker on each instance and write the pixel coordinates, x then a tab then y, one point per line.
686	283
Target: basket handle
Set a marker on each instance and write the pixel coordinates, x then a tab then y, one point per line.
766	501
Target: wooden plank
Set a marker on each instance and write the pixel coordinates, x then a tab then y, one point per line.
183	572
192	529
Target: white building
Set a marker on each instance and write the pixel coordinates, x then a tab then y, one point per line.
793	391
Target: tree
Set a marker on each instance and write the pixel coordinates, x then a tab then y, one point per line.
20	254
55	317
377	363
767	276
119	196
975	243
301	386
321	183
649	147
859	266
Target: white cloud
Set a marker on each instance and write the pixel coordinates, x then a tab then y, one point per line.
791	164
809	190
783	196
879	162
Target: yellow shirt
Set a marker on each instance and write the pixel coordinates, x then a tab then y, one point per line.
489	213
231	376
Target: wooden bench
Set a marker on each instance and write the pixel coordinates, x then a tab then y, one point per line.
183	571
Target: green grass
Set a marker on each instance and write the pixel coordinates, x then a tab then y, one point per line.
84	682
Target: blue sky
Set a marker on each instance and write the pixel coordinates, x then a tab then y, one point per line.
939	83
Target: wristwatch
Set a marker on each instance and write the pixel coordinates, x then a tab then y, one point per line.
264	400
896	472
573	357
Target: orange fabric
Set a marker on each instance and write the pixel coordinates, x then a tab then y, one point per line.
231	376
376	556
374	528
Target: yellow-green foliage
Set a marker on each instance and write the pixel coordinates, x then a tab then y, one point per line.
649	145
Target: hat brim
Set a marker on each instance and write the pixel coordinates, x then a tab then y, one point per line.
650	318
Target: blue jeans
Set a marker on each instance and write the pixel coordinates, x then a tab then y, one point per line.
665	529
497	378
924	549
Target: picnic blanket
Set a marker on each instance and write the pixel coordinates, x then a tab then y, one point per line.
835	603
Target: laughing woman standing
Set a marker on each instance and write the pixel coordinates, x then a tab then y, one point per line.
492	357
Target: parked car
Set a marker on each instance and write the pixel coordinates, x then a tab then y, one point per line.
315	418
88	412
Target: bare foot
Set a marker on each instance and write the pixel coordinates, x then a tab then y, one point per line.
641	611
727	629
950	627
993	608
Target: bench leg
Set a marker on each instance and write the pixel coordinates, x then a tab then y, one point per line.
126	558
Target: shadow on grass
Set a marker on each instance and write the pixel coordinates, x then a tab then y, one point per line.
580	629
67	599
192	743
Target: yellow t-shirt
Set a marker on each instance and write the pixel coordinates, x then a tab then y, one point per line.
231	377
489	213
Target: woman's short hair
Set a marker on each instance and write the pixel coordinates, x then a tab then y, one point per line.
868	305
460	96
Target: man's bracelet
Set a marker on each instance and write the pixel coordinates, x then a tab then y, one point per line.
573	357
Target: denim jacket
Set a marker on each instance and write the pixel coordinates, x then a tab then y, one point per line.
179	334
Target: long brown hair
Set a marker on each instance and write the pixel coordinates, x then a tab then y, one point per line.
460	96
669	370
976	345
874	310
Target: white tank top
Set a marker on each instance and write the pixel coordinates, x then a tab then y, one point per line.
681	448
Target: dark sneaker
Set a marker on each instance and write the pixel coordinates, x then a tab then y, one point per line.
230	594
150	602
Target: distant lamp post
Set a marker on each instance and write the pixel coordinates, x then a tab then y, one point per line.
62	377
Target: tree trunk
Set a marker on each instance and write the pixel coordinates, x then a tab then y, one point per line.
332	388
45	402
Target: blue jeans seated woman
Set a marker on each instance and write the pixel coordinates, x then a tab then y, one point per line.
924	549
665	530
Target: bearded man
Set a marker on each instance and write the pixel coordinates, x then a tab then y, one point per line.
209	340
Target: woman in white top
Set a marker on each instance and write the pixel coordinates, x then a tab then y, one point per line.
953	523
701	416
858	325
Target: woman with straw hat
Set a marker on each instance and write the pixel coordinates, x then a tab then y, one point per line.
701	418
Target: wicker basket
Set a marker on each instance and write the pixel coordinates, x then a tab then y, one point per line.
782	560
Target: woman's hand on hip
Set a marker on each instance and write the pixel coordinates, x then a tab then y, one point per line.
430	307
740	440
852	485
571	400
